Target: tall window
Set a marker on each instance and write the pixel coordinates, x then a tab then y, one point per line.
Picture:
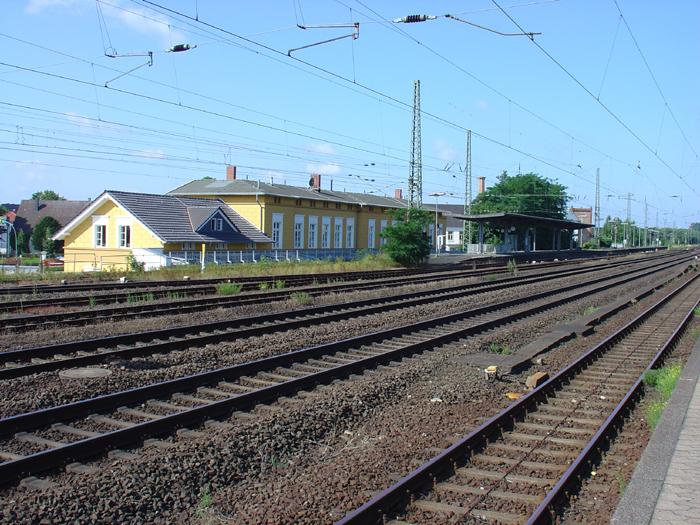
370	233
124	236
277	219
382	227
350	232
100	235
313	231
298	231
217	224
326	233
338	232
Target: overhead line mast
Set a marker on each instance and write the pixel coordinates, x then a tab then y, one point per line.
415	175
467	228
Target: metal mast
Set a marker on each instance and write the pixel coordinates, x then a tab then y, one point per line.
596	218
467	228
415	176
646	230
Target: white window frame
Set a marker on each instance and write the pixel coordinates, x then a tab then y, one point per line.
382	226
101	222
188	246
277	230
123	222
299	232
350	232
217	224
325	233
338	233
431	234
313	232
371	232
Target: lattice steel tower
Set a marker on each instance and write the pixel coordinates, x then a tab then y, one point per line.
596	212
467	228
415	176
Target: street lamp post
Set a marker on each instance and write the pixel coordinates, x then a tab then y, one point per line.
436	195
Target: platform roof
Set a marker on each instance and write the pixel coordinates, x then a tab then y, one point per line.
520	219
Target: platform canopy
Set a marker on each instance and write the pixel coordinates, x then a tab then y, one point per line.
520	219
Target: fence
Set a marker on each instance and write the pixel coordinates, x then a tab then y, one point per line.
255	256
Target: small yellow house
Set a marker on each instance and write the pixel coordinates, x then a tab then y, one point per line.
153	230
310	218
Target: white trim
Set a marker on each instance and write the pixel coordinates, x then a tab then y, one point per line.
350	232
96	204
337	236
312	241
326	228
371	233
219	209
298	221
277	217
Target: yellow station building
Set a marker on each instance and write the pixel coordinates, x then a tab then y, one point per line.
235	220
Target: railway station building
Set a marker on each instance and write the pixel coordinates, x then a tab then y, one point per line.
228	221
313	221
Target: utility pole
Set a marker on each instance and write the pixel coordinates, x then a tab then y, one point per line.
646	230
467	228
415	176
596	218
629	215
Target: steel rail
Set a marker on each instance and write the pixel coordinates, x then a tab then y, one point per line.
259	325
140	310
482	263
444	464
11	471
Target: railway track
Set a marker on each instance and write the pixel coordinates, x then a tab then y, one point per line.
72	354
195	305
51	438
521	465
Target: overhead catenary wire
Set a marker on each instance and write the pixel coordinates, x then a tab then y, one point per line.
653	77
603	105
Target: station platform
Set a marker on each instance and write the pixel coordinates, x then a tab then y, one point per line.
665	486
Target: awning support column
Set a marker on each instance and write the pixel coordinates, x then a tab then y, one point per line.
481	238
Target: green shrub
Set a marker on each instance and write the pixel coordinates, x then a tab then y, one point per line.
301	298
499	348
279	284
264	286
228	288
512	267
663	380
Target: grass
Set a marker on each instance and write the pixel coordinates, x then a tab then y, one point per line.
205	501
301	298
264	287
590	310
492	277
279	284
140	298
92	301
696	311
512	267
228	288
663	381
499	348
261	269
173	296
621	483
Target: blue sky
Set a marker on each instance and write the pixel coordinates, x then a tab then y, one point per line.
344	108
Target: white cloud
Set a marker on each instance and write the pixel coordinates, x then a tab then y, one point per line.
126	14
323	169
151	153
323	148
444	151
36	6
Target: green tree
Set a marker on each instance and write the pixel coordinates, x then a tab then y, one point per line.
44	229
529	193
20	245
406	241
47	195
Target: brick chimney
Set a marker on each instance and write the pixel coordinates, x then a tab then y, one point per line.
315	181
230	172
398	193
481	185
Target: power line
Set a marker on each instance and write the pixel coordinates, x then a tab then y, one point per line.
656	83
604	106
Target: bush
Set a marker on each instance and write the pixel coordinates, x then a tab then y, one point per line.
133	264
406	242
228	288
301	298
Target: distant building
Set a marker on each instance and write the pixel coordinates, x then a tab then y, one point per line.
584	215
31	211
